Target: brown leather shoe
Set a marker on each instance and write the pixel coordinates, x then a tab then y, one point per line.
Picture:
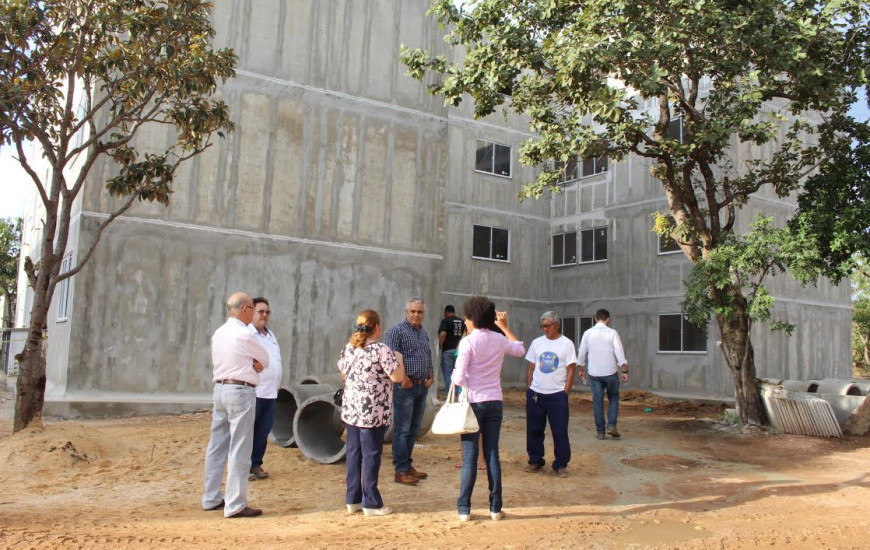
218	506
406	478
247	513
416	473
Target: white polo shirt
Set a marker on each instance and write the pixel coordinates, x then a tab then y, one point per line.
233	350
604	349
270	380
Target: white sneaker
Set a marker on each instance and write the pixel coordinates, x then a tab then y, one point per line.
383	511
464	517
353	508
497	516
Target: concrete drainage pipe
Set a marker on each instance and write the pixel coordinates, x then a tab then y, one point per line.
796	385
833	386
425	423
318	429
289	398
333	379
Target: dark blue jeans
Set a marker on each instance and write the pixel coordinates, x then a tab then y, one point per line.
541	407
363	464
600	384
263	418
408	407
489	415
448	359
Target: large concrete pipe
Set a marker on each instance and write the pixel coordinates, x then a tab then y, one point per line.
333	379
318	428
289	398
834	386
795	385
428	417
863	385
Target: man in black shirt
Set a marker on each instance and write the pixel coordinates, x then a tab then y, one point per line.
449	334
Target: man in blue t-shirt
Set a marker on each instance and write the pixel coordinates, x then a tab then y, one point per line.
450	332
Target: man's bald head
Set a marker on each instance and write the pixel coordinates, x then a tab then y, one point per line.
241	306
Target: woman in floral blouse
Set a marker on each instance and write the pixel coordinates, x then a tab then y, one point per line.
368	369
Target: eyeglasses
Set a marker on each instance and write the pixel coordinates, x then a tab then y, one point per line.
246	307
263	312
545	326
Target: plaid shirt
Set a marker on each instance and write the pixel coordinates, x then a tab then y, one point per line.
413	344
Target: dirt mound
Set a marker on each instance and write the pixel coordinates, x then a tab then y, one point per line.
58	447
662	463
642	397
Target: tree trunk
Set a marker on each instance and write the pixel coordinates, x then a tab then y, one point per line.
740	356
31	375
865	338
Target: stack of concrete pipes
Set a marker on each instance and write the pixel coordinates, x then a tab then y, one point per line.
307	417
844	395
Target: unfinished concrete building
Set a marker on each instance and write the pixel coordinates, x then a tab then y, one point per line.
346	186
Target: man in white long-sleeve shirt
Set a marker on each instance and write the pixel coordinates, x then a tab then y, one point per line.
237	358
601	349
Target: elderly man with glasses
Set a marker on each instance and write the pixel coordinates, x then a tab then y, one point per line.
267	390
237	359
552	362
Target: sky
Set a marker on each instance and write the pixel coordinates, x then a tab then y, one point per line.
14	182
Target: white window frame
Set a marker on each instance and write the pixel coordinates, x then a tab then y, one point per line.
595	170
681	351
63	290
490	258
564	255
580	245
492	163
682	128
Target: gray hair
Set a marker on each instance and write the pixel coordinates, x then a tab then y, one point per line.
236	302
415	300
551	316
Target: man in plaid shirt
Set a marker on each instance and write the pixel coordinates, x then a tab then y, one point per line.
410	344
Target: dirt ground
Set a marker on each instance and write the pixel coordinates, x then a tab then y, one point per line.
677	479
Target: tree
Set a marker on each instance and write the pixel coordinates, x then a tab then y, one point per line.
680	83
81	78
10	247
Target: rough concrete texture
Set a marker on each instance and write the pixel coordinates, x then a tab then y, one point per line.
344	187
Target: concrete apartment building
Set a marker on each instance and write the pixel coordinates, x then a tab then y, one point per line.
346	186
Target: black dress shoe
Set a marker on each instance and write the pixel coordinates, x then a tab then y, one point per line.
247	513
218	506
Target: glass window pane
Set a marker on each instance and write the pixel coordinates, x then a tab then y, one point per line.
588	166
601	163
480	244
571	248
484	156
499	244
558	249
667	244
669	332
586	246
585	324
694	338
675	129
571	170
502	165
569	328
601	243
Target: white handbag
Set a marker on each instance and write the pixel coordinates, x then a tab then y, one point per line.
455	416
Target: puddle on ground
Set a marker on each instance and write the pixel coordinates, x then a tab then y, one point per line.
648	532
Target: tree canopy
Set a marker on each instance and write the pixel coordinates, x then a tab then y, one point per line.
82	79
685	84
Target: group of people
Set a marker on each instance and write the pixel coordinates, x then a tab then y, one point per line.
394	377
388	383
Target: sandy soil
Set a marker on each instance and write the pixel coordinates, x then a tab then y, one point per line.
675	480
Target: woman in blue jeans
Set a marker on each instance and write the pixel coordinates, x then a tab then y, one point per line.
478	370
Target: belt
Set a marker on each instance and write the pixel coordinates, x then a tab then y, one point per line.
235	382
419	381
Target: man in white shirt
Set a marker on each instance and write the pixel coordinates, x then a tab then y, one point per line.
552	361
605	358
237	358
267	390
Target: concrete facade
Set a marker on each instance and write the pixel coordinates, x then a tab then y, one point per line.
346	186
